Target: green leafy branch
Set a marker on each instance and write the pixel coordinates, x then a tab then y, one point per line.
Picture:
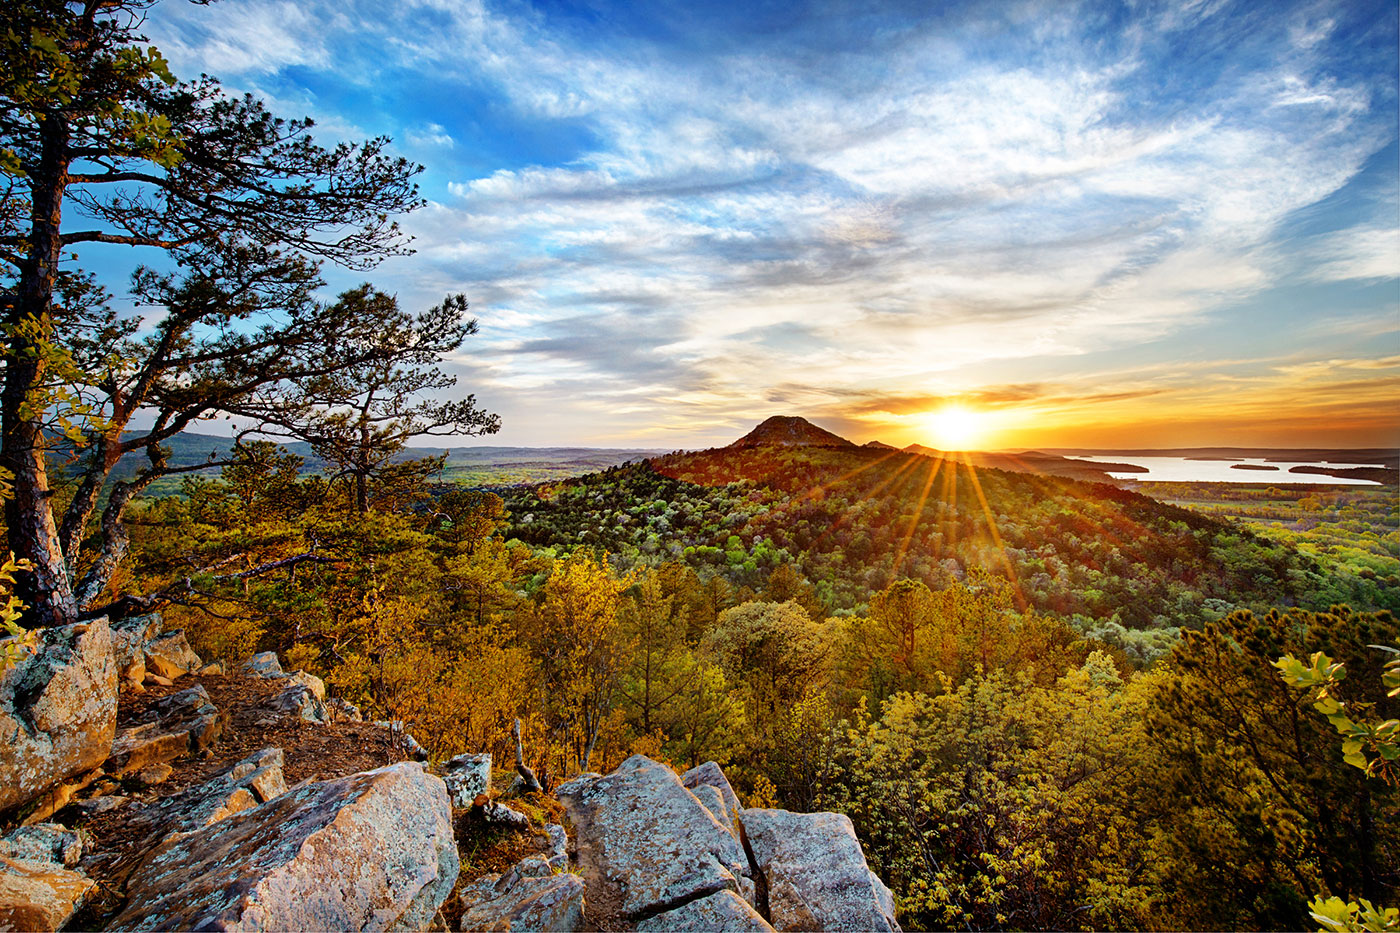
1371	745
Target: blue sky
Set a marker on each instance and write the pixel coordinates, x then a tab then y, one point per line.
1097	223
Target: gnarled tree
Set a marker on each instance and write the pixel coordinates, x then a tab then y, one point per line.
100	144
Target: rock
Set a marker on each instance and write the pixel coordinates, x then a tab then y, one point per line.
43	842
311	681
152	775
640	831
710	775
94	805
371	851
502	815
556	843
56	798
514	903
711	799
155	680
466	776
180	724
300	701
723	910
344	711
241	786
129	638
170	656
58	710
36	895
816	872
216	669
263	664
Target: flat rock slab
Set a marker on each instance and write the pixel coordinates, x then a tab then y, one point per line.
723	910
516	904
371	851
40	895
241	786
58	710
44	842
816	872
180	724
640	832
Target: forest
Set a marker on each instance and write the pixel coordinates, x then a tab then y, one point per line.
1044	703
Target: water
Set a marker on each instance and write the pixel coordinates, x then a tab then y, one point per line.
1183	470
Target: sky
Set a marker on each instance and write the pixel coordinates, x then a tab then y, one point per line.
989	224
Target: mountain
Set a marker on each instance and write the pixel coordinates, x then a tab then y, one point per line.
879	445
788	431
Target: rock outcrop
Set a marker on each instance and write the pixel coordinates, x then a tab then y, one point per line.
528	897
723	910
642	834
129	638
39	890
816	874
40	895
170	656
371	851
181	724
58	710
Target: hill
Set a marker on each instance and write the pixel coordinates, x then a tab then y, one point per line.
854	519
787	431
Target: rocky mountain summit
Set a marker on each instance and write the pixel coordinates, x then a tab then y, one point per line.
789	431
145	790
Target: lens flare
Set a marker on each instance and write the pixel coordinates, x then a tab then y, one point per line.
954	427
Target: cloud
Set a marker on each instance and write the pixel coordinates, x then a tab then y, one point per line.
841	210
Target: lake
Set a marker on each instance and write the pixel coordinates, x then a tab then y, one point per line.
1185	470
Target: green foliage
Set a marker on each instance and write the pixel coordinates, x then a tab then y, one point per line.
1335	914
1374	747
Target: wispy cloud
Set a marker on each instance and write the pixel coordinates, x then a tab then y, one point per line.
679	215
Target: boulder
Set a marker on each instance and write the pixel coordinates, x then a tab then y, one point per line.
502	815
263	664
816	872
639	831
129	638
300	701
241	786
170	656
58	710
515	902
39	895
151	775
466	776
723	910
181	724
710	775
316	685
371	851
43	842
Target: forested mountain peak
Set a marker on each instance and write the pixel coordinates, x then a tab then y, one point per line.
790	431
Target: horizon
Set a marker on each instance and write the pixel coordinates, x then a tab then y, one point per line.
1005	227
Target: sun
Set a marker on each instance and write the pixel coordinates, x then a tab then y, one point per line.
954	427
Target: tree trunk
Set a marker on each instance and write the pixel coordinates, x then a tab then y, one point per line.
532	783
47	589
